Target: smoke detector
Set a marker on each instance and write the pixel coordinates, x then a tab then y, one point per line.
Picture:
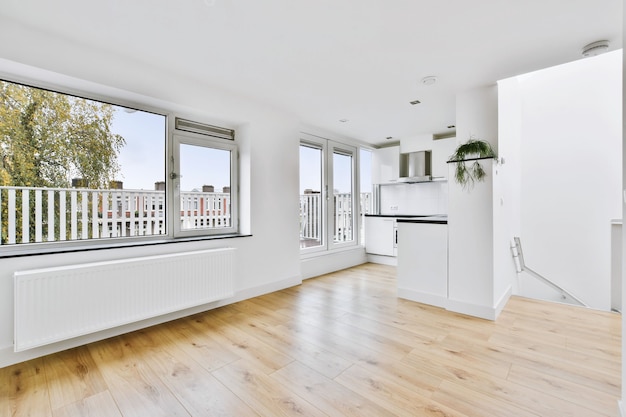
595	48
430	80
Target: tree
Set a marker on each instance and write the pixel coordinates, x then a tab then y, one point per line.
47	138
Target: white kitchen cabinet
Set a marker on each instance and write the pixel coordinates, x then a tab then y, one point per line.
423	262
380	235
385	165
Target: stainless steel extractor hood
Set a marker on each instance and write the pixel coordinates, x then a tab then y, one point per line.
416	166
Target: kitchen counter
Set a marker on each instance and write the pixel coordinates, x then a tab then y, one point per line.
398	216
413	218
423	260
438	219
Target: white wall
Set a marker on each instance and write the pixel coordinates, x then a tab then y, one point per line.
471	282
424	198
507	187
571	173
268	139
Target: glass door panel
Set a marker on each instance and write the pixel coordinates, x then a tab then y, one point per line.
343	227
311	201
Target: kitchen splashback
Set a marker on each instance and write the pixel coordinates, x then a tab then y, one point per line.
414	199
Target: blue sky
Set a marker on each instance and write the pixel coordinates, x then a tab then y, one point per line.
142	159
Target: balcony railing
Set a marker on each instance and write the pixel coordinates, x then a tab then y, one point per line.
311	216
31	215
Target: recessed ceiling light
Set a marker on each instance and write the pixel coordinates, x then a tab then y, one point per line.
343	120
414	102
430	80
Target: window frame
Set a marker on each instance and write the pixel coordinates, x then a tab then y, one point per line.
328	148
78	89
322	146
351	151
177	138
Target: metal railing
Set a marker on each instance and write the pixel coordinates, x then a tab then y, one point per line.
520	265
31	215
311	215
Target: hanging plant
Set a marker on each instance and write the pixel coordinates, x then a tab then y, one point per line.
473	150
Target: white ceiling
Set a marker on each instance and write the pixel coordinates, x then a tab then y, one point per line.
327	60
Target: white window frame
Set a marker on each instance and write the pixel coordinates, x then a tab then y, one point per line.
84	91
173	181
328	148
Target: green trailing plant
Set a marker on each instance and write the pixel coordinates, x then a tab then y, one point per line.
471	151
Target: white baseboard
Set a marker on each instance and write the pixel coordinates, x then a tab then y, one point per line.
422	297
321	263
381	259
9	357
503	300
480	311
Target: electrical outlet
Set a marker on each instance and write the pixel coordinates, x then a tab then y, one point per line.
393	208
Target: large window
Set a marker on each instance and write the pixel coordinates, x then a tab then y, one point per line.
80	170
327	189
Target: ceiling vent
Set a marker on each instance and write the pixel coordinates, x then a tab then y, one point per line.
444	135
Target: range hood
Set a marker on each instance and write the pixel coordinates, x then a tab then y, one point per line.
416	167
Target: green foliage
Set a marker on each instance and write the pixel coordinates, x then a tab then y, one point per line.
474	149
48	138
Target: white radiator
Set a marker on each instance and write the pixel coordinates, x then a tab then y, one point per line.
59	303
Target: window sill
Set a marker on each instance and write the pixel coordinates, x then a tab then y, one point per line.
40	250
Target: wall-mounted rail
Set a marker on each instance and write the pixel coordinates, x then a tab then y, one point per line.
518	257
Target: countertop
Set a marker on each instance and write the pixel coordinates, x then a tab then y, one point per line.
412	218
437	219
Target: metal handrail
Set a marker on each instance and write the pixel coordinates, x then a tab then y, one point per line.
520	266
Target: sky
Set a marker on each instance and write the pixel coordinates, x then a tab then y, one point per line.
142	159
311	170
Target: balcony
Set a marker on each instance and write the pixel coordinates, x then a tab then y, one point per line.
311	218
34	215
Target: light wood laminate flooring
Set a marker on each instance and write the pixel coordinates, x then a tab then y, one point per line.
339	345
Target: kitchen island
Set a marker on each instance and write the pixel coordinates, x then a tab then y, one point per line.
423	259
381	236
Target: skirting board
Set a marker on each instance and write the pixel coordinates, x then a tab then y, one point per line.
382	259
422	297
9	357
484	312
321	263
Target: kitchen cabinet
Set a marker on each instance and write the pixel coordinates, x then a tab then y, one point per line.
380	235
423	262
386	165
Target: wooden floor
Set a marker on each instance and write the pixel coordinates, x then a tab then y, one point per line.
338	345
